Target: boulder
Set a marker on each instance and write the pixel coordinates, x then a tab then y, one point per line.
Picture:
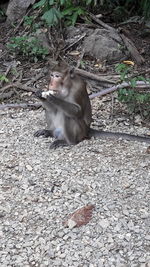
104	44
17	9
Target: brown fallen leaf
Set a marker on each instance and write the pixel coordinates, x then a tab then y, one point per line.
79	217
129	62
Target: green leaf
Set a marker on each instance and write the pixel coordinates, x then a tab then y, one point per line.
39	4
3	78
67	11
80	11
88	2
74	18
51	2
141	78
133	82
62	2
51	16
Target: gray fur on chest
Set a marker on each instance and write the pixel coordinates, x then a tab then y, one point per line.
55	123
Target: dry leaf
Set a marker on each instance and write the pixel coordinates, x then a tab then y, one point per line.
79	217
74	53
128	62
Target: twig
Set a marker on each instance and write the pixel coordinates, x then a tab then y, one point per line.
21	105
75	42
80	59
117	87
20	76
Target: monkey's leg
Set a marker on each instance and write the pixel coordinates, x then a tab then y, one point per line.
58	143
44	133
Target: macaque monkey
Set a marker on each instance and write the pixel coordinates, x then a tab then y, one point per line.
68	111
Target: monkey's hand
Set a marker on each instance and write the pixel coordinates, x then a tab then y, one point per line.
38	94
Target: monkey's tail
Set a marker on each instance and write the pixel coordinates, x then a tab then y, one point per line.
117	135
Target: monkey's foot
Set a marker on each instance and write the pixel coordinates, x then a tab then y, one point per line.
44	133
58	143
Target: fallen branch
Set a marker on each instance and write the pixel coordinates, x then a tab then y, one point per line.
117	87
92	76
101	23
132	49
21	105
20	86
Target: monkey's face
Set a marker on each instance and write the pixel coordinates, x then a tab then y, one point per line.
55	81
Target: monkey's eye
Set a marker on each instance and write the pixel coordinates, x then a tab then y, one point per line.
57	75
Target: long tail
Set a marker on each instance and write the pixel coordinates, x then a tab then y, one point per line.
116	135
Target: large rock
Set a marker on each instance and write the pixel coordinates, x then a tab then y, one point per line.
104	45
17	9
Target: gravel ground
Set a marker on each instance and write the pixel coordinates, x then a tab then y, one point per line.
41	187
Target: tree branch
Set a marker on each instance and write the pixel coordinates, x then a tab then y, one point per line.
117	87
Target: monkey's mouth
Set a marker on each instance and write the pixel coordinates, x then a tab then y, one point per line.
53	86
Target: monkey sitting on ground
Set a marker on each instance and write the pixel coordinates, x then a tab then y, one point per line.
68	111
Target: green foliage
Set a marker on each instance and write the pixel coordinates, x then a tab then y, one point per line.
71	14
137	102
123	9
145	7
54	10
28	47
52	16
3	78
29	21
123	70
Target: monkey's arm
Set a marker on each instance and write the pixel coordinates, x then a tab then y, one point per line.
70	109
